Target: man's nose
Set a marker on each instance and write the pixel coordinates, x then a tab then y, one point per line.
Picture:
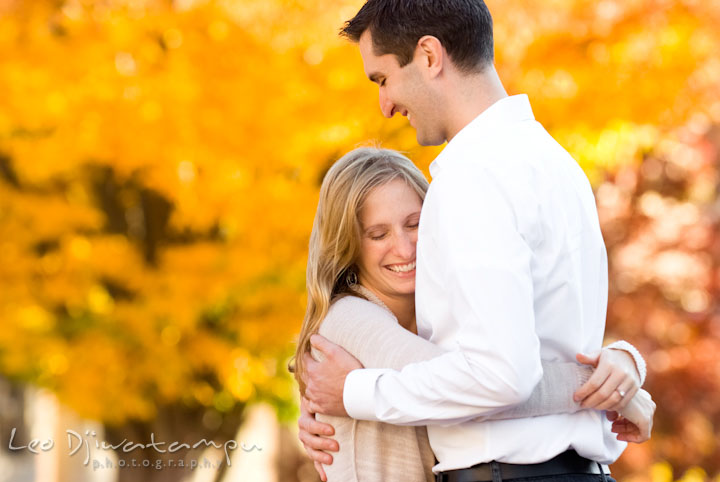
386	106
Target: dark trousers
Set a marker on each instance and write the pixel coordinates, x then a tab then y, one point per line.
556	478
497	477
566	478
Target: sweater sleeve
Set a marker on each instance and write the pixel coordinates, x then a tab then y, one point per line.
373	335
640	364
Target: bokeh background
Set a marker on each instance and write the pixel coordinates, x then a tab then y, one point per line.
160	162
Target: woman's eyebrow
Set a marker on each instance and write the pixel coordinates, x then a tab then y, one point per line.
374	226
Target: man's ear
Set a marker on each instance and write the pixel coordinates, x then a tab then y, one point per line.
432	54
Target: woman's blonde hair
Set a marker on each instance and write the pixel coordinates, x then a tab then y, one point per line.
336	233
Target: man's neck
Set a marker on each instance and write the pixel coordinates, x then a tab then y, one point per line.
473	95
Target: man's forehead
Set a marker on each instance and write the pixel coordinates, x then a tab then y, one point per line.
367	54
365	40
366	47
374	65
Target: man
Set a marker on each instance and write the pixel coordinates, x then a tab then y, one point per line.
511	265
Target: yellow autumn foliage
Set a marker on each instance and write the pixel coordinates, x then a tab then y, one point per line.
160	162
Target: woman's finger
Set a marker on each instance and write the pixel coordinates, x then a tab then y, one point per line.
627	390
591	360
595	381
605	396
614	392
617	385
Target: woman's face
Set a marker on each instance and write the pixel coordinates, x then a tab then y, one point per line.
389	230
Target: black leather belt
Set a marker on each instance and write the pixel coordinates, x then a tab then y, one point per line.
566	463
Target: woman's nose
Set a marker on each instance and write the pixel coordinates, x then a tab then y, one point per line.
405	245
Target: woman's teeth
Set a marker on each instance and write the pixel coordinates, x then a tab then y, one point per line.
402	268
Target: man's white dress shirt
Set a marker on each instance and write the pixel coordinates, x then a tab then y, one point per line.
511	270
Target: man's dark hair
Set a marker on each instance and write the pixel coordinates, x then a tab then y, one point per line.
464	27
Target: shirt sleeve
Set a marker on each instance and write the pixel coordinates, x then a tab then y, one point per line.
484	234
375	338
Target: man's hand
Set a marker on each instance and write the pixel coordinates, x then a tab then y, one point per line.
634	423
614	382
325	380
310	433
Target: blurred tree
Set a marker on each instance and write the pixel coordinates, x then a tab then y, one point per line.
661	222
159	167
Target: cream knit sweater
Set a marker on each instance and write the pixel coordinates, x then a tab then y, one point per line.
380	452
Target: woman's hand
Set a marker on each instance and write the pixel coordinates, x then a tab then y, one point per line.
310	433
614	382
634	423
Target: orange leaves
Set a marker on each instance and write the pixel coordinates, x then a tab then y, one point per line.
608	70
660	225
160	162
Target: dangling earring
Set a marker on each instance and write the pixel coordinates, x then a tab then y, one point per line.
351	278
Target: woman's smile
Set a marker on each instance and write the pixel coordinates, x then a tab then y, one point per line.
407	269
389	219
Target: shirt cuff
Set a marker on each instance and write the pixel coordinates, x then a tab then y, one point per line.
359	393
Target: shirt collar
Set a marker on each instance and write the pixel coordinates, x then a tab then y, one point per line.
511	109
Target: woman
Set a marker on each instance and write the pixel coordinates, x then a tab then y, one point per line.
361	289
